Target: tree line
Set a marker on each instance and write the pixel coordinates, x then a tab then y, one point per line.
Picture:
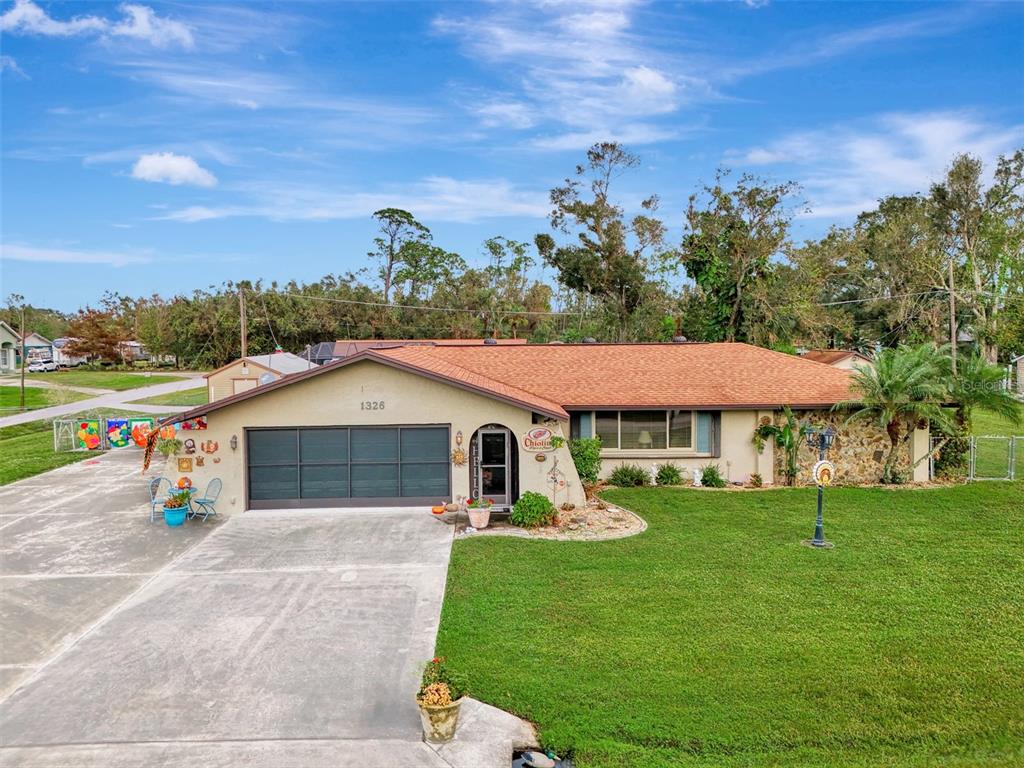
943	264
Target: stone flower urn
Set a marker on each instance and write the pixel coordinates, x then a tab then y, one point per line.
479	517
439	723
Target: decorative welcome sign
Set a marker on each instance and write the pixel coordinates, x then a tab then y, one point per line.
538	440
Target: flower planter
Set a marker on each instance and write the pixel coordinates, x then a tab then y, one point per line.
480	517
175	516
439	723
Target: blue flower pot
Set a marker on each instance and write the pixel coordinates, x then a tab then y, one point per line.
175	516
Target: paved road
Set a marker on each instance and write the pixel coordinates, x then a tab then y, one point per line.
113	400
270	639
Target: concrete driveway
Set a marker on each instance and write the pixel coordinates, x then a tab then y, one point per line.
271	639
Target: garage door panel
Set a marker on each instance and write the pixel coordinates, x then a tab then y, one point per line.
273	482
324	446
430	444
325	481
374	445
374	480
424	480
273	446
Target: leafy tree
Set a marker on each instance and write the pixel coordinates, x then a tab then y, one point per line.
610	260
901	388
978	384
731	239
96	333
787	437
398	228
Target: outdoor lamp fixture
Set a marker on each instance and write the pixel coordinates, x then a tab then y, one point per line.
458	437
234	443
824	472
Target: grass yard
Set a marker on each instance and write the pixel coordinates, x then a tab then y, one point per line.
197	396
993	455
27	449
716	639
118	380
35	397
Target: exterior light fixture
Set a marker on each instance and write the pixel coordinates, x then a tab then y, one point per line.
824	473
234	442
458	437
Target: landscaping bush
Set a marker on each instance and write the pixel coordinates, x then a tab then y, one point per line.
629	475
532	509
586	455
711	476
669	474
756	481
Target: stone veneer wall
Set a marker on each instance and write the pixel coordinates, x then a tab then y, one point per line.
858	452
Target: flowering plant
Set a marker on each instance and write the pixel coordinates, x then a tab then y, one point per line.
480	503
439	686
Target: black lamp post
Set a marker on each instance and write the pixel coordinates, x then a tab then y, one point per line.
821	439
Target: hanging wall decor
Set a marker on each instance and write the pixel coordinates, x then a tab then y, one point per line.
88	435
209	446
197	423
190	446
216	459
458	457
118	434
184	465
200	461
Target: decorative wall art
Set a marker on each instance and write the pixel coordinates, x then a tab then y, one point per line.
190	446
184	482
196	423
184	465
168	431
118	433
458	457
88	434
139	429
216	459
209	446
200	461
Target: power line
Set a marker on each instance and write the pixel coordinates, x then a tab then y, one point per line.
423	307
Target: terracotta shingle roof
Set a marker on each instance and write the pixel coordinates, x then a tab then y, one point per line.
346	347
553	378
649	375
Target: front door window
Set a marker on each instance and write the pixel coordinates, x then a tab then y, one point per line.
494	466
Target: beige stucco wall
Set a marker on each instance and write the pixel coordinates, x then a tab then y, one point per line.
220	384
739	458
334	399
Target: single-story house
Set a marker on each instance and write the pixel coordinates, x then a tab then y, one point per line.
847	359
250	372
328	351
10	342
37	347
413	425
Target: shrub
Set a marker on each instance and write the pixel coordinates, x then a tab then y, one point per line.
711	476
532	509
169	446
586	455
755	480
669	474
628	476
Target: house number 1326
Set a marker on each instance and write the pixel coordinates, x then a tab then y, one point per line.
371	405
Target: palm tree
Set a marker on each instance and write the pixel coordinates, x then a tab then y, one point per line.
979	384
900	389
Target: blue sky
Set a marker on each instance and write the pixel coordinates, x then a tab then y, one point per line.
164	147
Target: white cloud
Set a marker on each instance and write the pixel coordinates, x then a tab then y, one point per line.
8	64
435	198
169	168
505	114
846	169
63	256
139	22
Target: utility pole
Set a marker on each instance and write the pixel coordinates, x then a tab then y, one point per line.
245	330
24	359
952	317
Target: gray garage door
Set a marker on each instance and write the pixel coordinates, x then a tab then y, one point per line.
347	466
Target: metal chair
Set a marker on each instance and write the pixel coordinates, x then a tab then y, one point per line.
205	506
157	494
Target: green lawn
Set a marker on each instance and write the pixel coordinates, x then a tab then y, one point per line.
716	639
993	455
27	449
985	423
119	380
35	397
197	396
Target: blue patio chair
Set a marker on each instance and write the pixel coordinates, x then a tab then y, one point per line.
204	505
157	494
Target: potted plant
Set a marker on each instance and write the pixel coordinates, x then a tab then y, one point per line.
439	699
479	512
176	507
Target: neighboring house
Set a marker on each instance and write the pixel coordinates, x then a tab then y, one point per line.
10	343
327	351
847	359
37	347
413	425
249	372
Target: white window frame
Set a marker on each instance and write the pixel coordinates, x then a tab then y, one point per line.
619	452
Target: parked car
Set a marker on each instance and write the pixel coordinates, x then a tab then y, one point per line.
42	366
